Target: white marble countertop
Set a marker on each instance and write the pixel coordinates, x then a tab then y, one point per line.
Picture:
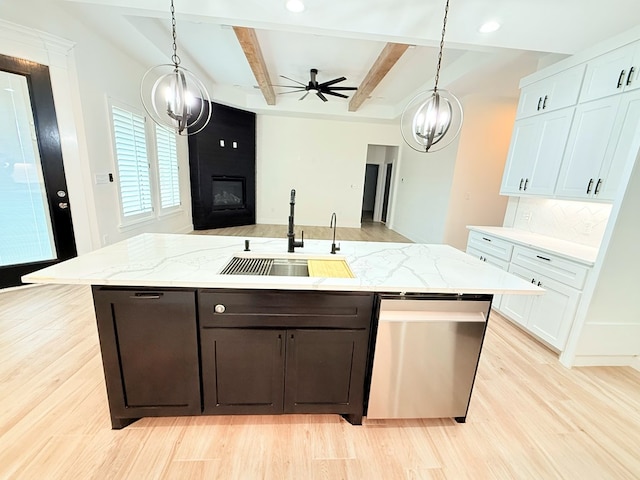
572	251
170	260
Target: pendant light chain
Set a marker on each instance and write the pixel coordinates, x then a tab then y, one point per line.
174	58
444	27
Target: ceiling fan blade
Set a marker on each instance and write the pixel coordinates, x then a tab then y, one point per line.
285	86
296	81
329	92
293	91
331	82
343	88
322	97
304	96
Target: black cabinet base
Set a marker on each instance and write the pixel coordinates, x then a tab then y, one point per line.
353	418
460	419
120	423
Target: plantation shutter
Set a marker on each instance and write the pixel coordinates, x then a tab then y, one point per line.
167	168
133	164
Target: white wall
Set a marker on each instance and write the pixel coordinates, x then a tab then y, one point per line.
95	70
324	160
482	152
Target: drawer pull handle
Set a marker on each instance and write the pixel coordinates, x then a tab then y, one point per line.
620	78
589	186
539	102
544	104
539	284
631	70
146	296
533	280
543	258
526	182
521	182
487	239
280	344
219	308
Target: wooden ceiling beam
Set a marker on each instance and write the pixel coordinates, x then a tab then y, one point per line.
251	48
390	54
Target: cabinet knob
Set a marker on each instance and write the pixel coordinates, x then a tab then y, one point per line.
219	308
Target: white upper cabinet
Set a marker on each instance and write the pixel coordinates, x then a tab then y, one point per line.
552	93
537	146
602	141
611	73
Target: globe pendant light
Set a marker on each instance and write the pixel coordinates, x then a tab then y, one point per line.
173	96
432	119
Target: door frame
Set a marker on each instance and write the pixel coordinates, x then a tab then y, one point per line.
50	149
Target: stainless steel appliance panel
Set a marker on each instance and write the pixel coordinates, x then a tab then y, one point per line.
425	359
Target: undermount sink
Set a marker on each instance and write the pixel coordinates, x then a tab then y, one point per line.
283	267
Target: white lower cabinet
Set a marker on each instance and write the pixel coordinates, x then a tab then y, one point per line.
549	316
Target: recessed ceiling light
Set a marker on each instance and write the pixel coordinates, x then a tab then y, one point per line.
295	6
488	27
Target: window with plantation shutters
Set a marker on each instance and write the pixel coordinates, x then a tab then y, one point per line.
168	178
133	163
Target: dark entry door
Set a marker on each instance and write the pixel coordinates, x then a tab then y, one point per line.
35	214
387	190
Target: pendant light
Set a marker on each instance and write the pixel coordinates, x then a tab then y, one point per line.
173	96
432	119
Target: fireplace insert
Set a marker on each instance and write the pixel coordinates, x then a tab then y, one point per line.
229	193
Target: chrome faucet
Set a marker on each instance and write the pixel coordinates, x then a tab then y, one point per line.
291	236
334	225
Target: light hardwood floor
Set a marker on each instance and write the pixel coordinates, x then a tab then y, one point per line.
530	418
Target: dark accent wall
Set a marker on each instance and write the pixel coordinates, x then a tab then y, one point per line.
209	160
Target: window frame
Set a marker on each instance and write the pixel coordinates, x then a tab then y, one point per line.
127	222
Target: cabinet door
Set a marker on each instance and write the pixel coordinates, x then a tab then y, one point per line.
517	307
552	314
624	146
586	148
554	130
608	74
552	93
242	370
522	153
149	346
325	371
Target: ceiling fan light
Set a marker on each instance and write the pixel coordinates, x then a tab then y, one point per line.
295	6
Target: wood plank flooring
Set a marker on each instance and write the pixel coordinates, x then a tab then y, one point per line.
530	418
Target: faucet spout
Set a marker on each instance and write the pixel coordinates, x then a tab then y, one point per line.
334	225
291	236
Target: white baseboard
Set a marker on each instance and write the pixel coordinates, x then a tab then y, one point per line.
607	361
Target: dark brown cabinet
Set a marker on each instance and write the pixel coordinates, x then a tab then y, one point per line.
284	352
243	370
149	344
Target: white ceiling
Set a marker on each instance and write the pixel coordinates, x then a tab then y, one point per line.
344	38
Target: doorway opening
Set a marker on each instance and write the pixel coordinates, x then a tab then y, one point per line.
378	183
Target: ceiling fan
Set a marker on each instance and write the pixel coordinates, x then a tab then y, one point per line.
320	89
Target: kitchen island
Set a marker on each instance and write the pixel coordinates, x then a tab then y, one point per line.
179	338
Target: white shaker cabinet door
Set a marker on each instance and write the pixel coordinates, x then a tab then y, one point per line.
537	145
610	73
586	148
518	307
552	314
623	151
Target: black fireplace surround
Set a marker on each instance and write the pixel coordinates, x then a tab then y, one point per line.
222	163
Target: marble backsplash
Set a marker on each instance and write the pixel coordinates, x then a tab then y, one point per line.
578	222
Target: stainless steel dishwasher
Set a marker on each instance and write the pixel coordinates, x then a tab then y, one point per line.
427	350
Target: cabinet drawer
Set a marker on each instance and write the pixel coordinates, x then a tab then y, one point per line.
260	308
552	266
496	262
490	245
